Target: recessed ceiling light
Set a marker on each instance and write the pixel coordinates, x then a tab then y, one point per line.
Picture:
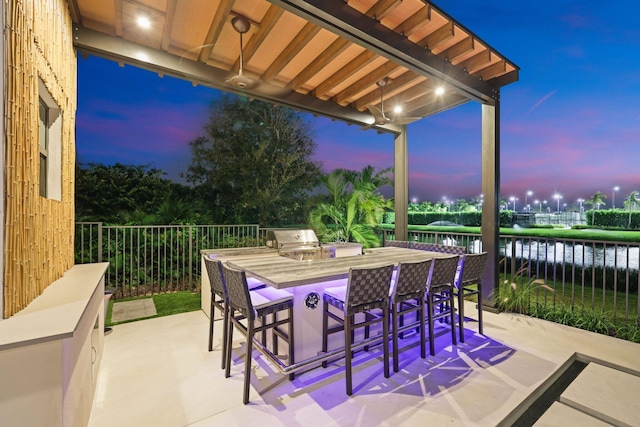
440	90
144	22
397	109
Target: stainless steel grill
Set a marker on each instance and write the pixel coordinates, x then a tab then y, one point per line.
302	245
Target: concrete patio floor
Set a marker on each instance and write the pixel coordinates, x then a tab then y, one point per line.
158	372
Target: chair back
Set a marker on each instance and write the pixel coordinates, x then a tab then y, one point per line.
411	279
435	247
443	273
396	243
216	278
368	288
473	268
238	291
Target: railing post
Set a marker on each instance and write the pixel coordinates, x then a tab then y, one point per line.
513	258
190	257
99	242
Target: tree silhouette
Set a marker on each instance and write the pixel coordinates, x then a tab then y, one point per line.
353	206
119	193
596	200
632	202
255	163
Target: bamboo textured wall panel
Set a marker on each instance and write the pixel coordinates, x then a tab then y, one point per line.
38	245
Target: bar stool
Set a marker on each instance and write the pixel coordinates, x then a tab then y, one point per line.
440	288
255	306
407	296
396	244
473	267
367	289
218	299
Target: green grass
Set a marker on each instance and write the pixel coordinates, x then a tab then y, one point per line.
166	305
535	293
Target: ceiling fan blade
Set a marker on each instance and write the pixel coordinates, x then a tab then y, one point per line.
378	115
404	120
265	88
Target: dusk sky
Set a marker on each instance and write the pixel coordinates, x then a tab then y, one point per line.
570	125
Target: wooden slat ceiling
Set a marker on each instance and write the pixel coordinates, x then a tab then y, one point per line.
324	56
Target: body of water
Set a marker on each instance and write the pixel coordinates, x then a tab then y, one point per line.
610	255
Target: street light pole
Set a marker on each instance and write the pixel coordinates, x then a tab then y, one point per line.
526	195
558	196
613	199
513	199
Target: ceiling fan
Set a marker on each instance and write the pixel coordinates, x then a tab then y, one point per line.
378	113
241	25
240	80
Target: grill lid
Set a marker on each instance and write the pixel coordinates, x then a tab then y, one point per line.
288	238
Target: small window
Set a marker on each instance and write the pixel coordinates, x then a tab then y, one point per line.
44	136
50	137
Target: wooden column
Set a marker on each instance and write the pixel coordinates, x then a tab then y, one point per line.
401	184
491	193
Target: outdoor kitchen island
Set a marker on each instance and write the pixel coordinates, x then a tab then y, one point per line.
306	280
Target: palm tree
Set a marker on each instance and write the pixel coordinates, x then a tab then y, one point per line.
632	201
596	200
354	206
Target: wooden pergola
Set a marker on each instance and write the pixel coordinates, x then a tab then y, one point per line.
326	57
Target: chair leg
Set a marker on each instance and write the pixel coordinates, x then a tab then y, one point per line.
274	336
385	339
461	313
291	343
452	316
263	321
395	322
225	332
247	363
432	346
480	309
230	327
423	352
348	320
367	317
325	329
211	314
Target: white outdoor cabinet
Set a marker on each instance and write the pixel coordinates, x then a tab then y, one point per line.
50	352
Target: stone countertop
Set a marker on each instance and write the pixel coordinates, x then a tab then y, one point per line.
55	313
282	272
232	252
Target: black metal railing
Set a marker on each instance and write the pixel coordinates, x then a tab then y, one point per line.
576	273
155	259
584	273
